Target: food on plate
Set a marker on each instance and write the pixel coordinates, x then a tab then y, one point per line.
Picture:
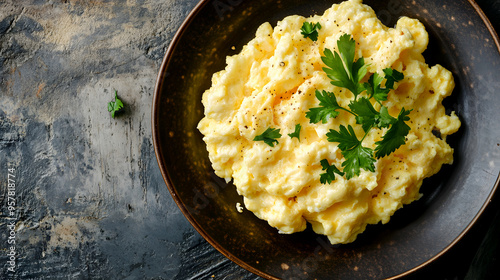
333	120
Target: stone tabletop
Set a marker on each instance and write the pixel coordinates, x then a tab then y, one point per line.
86	197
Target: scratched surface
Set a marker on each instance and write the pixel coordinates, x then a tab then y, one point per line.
90	202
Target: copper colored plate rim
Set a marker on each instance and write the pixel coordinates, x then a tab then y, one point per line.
187	214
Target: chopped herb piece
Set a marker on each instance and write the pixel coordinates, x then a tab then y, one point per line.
392	76
310	30
296	133
368	117
329	175
115	106
269	136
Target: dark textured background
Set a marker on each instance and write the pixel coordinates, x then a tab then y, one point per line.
91	202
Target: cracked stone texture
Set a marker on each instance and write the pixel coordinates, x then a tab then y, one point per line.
90	200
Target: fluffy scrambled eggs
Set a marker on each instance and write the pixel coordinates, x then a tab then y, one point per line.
272	83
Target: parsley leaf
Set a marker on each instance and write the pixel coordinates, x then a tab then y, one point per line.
346	137
329	105
384	118
357	158
310	30
329	175
395	136
392	76
115	106
367	116
374	85
296	133
269	136
341	67
374	89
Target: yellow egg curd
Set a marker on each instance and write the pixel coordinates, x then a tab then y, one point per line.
272	83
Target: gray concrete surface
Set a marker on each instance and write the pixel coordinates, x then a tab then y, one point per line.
90	200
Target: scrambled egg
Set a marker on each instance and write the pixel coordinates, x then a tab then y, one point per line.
272	83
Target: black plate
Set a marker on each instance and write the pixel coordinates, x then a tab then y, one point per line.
461	39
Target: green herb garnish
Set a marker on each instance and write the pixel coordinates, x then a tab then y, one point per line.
395	136
310	30
347	73
296	133
341	67
269	136
356	156
329	175
115	106
328	108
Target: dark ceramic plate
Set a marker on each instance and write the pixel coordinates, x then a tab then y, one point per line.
461	39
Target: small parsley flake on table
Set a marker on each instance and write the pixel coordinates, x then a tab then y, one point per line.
115	106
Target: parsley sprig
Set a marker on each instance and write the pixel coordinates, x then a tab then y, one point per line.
310	30
345	72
